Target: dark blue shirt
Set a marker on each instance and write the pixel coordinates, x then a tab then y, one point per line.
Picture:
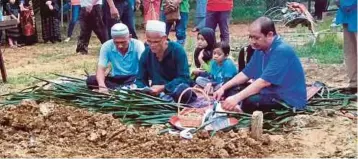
282	68
171	71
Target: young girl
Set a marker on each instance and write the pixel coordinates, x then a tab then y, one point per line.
204	50
13	34
222	69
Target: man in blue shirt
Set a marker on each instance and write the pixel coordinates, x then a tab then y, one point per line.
123	53
275	69
347	15
163	66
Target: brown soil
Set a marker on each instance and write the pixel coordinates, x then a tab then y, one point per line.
50	130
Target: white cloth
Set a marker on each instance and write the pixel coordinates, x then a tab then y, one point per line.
155	26
119	29
86	3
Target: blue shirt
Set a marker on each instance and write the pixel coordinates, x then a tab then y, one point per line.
282	68
222	73
347	14
121	65
171	71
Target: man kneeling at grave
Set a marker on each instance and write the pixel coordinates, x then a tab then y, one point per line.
276	70
123	53
165	64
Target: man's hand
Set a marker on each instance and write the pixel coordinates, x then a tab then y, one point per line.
89	8
230	103
157	89
218	94
22	8
114	13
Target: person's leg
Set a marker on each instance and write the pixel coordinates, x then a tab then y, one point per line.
111	82
85	33
74	19
350	55
127	19
211	20
181	27
201	23
260	102
98	25
224	18
120	80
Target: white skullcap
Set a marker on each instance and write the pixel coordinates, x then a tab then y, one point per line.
119	29
155	26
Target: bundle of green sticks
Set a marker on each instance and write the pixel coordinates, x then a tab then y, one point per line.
132	107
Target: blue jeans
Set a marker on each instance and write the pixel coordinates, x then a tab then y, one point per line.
221	18
74	19
180	27
126	12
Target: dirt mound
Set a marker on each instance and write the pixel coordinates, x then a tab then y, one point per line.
51	130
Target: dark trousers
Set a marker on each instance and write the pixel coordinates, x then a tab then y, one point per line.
261	102
220	18
180	26
91	22
320	7
111	82
126	13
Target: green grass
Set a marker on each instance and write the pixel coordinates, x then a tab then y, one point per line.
328	50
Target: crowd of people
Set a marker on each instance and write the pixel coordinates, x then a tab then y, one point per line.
268	70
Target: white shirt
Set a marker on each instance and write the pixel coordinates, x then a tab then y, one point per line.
85	3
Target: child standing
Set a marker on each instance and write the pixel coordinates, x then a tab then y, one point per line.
13	9
222	69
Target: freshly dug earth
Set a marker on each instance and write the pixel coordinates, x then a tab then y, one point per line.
51	130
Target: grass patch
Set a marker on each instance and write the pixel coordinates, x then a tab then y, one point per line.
328	50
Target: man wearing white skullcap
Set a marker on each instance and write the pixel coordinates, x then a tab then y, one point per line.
163	63
123	53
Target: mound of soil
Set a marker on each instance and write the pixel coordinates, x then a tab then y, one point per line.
51	130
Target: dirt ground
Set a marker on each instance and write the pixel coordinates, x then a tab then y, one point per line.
52	130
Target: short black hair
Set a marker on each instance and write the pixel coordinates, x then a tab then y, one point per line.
224	46
267	25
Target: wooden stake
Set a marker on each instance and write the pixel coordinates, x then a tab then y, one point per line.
256	124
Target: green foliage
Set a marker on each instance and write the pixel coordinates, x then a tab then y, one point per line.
328	49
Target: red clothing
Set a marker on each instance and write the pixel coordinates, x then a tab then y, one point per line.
220	5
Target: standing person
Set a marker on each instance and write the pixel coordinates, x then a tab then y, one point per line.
319	7
13	34
181	24
218	13
28	23
119	10
347	15
200	13
76	6
151	10
91	20
50	20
